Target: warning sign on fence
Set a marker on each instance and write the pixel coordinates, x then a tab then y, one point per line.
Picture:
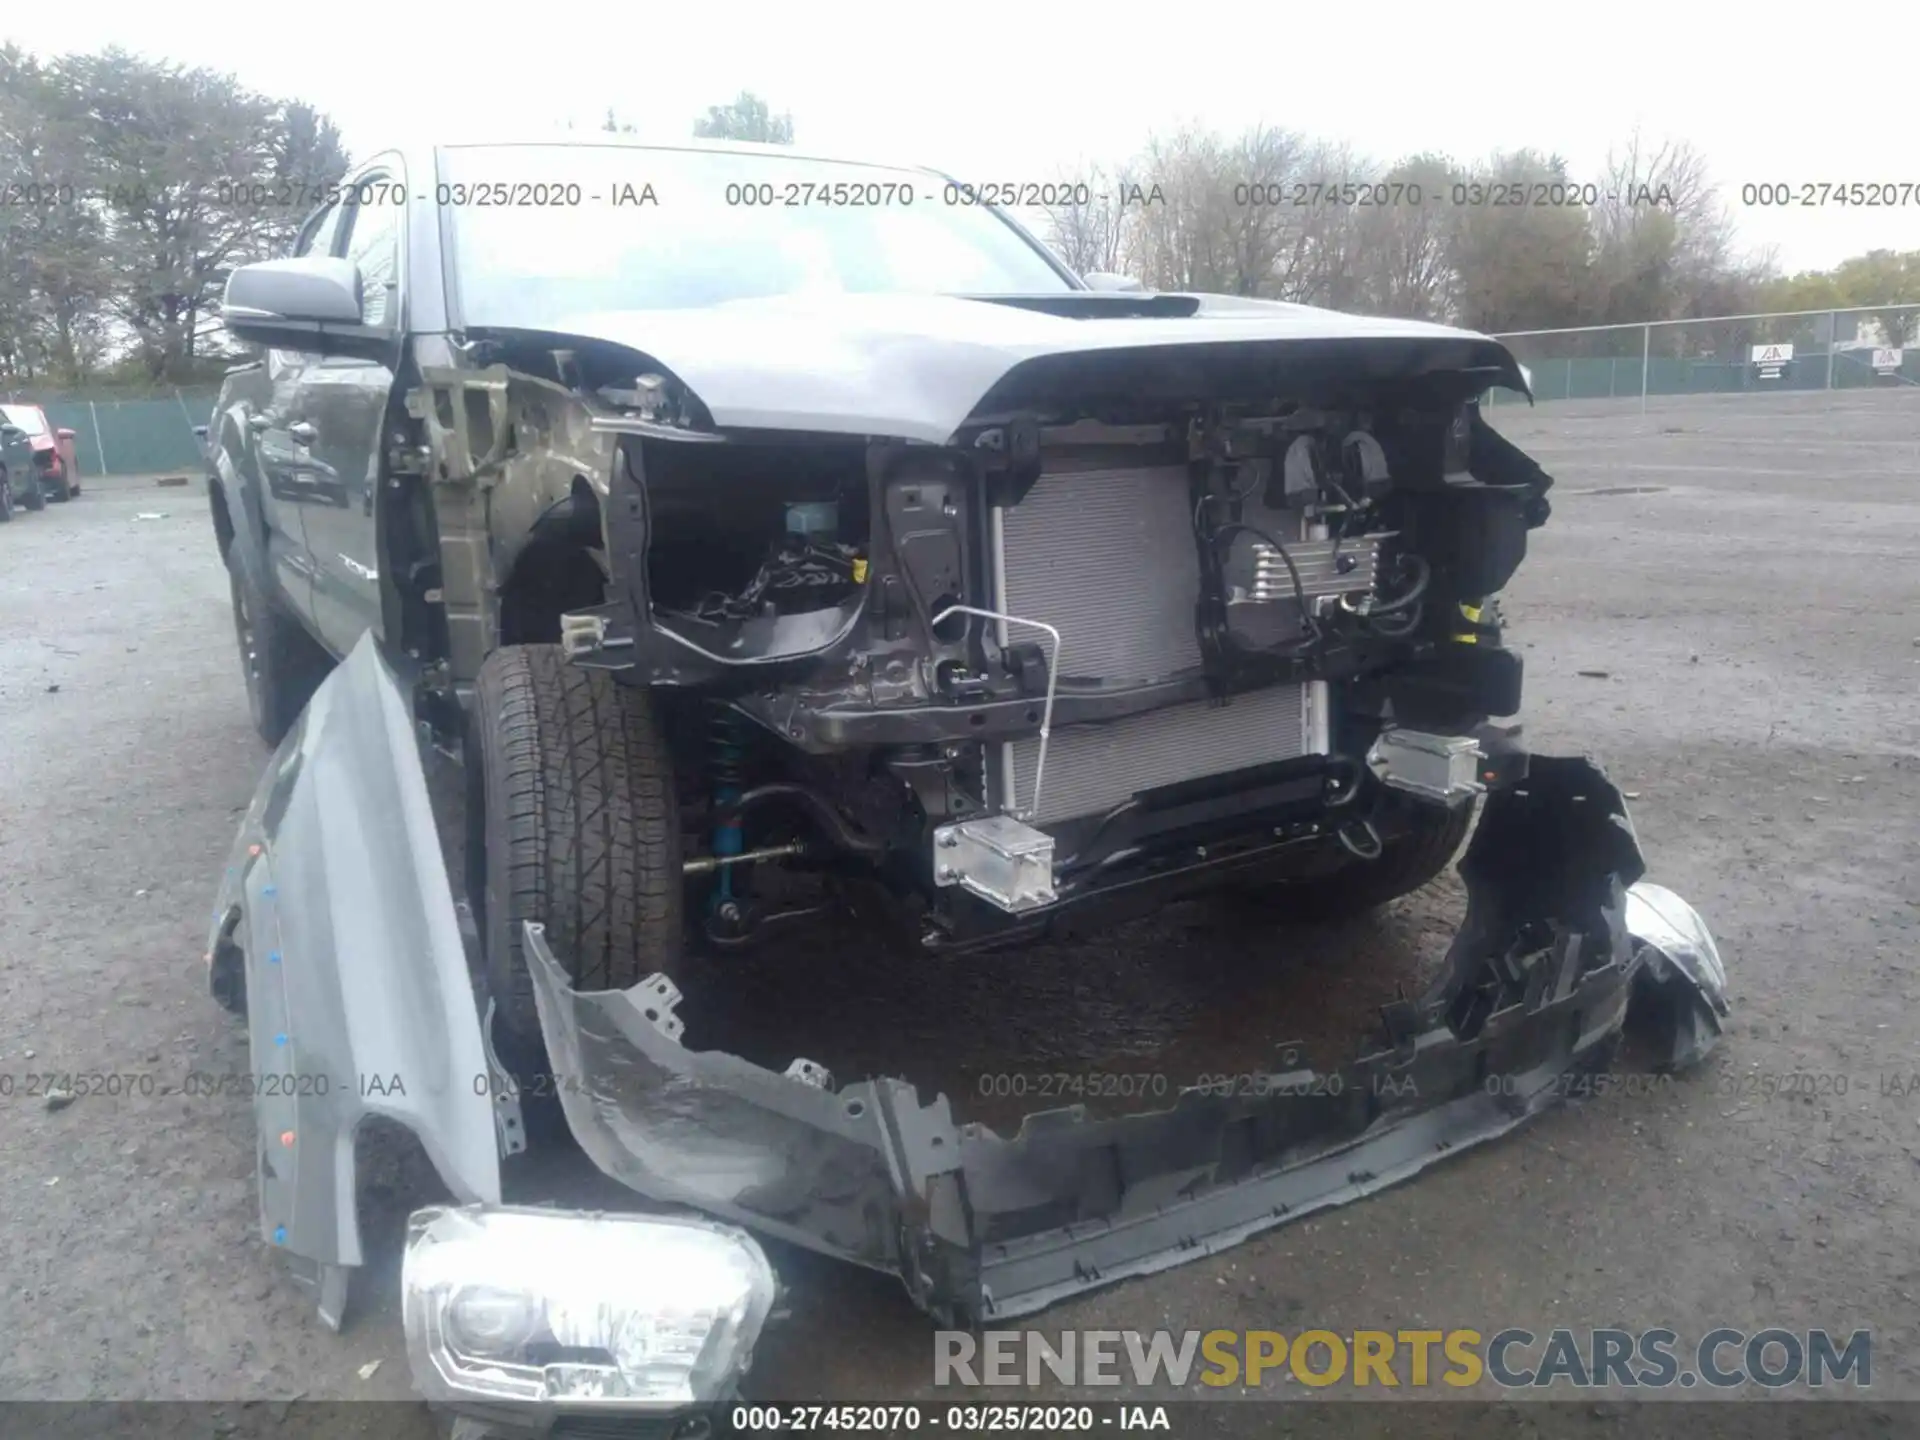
1885	360
1771	360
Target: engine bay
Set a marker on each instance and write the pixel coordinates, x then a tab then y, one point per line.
1137	625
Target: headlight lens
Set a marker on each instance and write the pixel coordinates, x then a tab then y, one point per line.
541	1305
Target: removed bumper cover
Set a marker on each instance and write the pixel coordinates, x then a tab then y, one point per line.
981	1226
336	930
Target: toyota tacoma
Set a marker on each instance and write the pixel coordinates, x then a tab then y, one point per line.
765	534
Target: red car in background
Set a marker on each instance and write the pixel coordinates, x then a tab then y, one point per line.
54	463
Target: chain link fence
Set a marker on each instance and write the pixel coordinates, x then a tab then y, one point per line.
128	436
1875	347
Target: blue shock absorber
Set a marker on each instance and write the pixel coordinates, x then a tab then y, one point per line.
726	773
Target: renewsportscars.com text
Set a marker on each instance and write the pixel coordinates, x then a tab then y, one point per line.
1511	1358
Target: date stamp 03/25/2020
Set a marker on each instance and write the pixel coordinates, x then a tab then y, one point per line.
801	191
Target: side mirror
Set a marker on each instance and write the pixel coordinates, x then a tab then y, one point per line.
64	434
1107	280
310	303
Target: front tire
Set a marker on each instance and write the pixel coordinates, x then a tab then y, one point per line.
282	664
1405	863
6	497
576	829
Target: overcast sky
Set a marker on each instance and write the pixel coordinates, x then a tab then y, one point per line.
1016	91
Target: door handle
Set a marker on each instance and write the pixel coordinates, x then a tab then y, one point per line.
303	432
257	423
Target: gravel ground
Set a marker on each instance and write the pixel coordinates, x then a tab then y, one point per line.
1722	609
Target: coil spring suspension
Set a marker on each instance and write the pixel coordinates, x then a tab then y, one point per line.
726	777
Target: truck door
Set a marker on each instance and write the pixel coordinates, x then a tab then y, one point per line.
271	443
340	424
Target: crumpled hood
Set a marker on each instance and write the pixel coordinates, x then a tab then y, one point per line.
915	367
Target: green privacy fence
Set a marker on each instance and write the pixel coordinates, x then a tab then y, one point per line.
131	437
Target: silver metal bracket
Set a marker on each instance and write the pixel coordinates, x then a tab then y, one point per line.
508	1128
1004	862
656	997
1046	711
810	1072
1437	767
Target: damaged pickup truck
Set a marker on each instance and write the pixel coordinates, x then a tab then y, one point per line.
766	534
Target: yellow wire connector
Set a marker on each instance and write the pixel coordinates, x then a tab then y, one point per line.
1471	613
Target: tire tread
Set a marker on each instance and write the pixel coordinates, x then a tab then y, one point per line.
292	662
579	772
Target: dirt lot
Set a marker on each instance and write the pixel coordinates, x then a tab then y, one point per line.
1723	609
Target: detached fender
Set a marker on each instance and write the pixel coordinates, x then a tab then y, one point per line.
337	932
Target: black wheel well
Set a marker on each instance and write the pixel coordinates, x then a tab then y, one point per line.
555	572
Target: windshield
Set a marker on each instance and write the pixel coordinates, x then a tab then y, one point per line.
27	417
541	231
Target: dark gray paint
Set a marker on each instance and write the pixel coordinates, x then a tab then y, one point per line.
303	287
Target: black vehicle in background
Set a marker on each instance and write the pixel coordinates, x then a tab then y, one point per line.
51	459
19	474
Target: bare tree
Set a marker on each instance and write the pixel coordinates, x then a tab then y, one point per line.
164	178
1520	265
1091	230
1508	243
1229	221
55	268
1403	240
1176	249
747	118
1662	235
1324	261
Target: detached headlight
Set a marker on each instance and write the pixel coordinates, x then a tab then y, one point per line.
542	1305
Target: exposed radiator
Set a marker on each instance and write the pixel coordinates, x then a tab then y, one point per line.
1091	768
1107	557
